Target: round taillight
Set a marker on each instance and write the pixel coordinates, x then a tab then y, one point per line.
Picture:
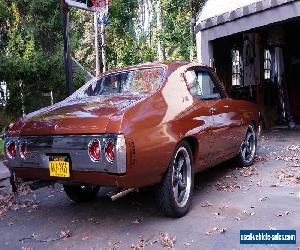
23	150
110	151
95	150
11	149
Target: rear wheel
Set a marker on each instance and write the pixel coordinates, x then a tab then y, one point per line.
81	193
174	193
248	148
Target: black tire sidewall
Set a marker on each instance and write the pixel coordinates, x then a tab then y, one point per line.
165	194
241	159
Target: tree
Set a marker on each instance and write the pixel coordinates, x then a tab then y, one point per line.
160	43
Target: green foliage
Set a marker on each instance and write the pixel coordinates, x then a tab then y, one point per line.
31	62
31	47
176	29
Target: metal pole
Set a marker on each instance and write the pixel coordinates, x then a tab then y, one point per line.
67	58
103	53
96	44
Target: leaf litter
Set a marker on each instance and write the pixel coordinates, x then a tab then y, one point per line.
9	201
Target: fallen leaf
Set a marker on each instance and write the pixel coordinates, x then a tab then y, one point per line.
248	171
166	240
27	248
10	223
260	158
207	204
216	229
288	176
264	198
137	221
65	234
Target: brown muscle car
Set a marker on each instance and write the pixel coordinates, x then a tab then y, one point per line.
148	125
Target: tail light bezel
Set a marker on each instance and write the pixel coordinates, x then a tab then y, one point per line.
92	157
22	154
114	151
7	151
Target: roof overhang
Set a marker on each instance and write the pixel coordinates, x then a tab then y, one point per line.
230	16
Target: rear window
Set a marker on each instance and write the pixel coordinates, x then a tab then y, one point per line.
132	81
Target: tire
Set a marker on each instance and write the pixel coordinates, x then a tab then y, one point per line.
248	148
174	193
81	193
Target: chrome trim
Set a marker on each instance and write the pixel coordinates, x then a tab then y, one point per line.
20	152
121	153
105	146
6	150
39	148
92	157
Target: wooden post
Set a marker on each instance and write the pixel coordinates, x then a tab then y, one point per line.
103	52
67	58
96	27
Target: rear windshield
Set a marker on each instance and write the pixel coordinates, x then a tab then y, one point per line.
132	81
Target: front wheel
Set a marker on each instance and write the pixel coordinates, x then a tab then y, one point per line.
248	148
81	193
174	193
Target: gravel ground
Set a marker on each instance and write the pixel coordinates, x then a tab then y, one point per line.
226	200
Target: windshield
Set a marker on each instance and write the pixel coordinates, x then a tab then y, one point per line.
132	81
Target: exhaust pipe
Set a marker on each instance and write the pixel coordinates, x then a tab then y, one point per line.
122	194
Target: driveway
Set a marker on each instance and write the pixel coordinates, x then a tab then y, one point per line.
226	199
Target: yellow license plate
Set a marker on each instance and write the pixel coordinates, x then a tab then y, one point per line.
59	167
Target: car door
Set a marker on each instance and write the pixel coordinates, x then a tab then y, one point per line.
199	117
226	123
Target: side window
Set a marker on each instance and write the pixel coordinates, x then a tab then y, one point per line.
201	85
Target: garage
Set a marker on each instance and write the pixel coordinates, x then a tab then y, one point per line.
253	46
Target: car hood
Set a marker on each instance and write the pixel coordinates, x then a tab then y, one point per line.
86	116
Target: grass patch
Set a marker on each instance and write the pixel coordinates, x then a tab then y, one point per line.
1	147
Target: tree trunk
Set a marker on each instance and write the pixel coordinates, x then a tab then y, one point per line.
160	44
192	27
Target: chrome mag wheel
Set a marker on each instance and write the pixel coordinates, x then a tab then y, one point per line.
248	147
182	176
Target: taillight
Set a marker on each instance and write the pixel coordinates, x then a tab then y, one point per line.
110	151
23	150
11	149
95	150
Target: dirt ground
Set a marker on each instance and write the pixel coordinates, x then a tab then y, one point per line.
226	200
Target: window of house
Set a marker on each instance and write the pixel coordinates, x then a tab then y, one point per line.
201	85
267	64
236	68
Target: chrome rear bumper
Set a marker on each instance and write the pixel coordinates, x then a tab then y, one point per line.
75	147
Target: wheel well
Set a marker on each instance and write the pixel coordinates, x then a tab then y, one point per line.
193	142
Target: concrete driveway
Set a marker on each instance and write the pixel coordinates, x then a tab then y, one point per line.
226	199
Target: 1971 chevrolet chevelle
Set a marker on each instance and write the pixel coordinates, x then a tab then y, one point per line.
152	124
